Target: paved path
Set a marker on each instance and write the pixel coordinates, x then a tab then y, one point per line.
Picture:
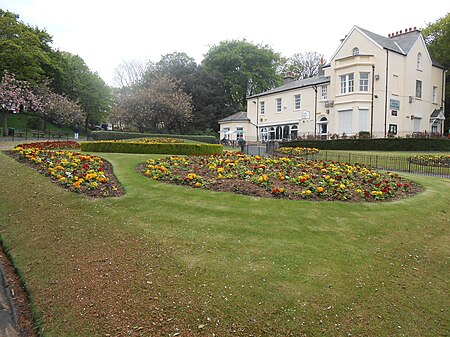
8	318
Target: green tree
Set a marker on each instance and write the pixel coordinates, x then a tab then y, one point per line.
85	87
246	68
437	38
210	101
24	51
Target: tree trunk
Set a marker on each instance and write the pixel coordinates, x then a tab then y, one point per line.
5	122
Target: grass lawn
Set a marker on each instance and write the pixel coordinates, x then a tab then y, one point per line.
166	260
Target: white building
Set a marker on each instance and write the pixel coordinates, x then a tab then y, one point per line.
383	86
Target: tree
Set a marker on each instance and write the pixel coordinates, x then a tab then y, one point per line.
130	73
437	38
246	68
58	108
15	96
159	105
210	100
303	65
24	51
85	87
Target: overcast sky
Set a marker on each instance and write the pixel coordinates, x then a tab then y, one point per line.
106	32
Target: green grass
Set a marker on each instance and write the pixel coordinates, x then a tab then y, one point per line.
165	259
20	122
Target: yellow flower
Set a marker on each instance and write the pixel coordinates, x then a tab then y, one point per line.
197	184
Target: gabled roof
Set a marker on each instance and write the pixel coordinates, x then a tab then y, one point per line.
306	82
386	42
237	117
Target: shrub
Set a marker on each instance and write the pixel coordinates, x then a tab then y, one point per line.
155	148
376	144
116	135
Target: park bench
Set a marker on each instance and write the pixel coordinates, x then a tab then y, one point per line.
19	133
38	133
58	134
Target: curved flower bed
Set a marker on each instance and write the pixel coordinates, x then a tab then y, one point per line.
282	177
51	145
297	151
431	160
74	171
154	140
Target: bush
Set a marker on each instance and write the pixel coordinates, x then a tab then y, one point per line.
376	144
156	148
116	135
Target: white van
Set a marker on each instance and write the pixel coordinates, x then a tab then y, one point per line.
107	126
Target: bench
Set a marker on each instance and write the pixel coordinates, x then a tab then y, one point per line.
37	133
19	133
58	134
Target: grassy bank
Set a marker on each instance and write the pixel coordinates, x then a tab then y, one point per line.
166	259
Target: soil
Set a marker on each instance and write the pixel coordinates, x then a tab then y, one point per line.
105	190
247	187
19	298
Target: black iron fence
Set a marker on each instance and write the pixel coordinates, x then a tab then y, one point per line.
16	134
382	162
389	163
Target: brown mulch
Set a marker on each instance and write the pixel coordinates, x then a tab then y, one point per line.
105	190
246	187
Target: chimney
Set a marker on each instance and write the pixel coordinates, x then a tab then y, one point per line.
320	71
288	78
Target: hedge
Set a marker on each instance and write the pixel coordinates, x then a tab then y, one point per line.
117	135
378	144
157	148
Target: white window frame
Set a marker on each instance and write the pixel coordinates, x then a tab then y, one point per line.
418	88
434	94
262	107
393	128
364	82
297	102
355	51
347	83
324	92
278	105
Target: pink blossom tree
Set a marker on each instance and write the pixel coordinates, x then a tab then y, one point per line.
15	96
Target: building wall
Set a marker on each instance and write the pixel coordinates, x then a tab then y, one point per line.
388	105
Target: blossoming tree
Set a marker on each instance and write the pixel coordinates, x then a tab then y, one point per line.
16	95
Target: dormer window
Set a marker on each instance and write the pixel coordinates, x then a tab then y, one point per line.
419	61
355	51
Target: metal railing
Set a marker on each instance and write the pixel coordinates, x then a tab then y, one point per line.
15	134
384	162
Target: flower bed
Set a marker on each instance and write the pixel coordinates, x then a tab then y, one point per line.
51	145
297	151
282	177
155	140
431	160
85	174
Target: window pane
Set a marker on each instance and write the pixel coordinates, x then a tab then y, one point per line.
418	88
297	102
